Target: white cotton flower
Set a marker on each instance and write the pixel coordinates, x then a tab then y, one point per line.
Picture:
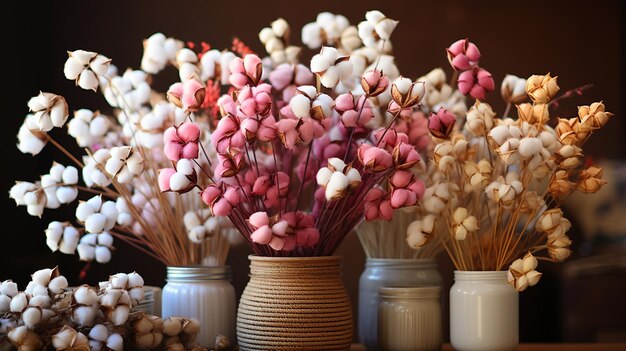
158	51
513	89
92	175
336	186
225	59
88	127
97	215
300	104
376	28
95	247
42	276
152	124
31	317
436	197
19	190
463	223
124	163
529	147
35	202
50	110
419	232
130	91
8	288
62	237
330	67
312	35
19	303
31	140
85	68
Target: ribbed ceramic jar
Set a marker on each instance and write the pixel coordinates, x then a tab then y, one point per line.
409	319
484	312
294	303
380	272
205	293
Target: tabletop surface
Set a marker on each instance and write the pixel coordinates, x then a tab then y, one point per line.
545	347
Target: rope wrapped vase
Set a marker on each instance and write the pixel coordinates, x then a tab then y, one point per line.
294	303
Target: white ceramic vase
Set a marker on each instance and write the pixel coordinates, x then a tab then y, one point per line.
205	293
484	312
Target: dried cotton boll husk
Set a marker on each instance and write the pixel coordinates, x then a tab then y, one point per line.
513	89
594	116
529	263
480	118
569	156
541	88
24	339
172	326
70	339
549	219
533	277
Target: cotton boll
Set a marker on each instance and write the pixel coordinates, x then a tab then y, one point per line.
115	342
31	317
95	223
69	241
57	285
529	147
8	288
66	195
300	105
336	186
5	302
18	303
86	252
83	211
42	276
119	281
84	315
119	315
179	182
102	254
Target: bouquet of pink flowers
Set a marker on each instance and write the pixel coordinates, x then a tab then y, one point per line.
301	155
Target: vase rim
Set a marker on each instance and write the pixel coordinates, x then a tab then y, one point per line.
481	275
409	292
401	262
197	273
293	259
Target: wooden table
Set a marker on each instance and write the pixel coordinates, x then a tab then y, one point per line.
544	347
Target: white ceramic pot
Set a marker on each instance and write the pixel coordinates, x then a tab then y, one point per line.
409	319
484	312
205	293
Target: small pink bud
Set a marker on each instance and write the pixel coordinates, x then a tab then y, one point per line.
476	82
441	124
463	55
374	83
262	235
175	93
344	102
193	95
259	219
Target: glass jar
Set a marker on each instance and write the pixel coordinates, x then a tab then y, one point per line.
205	293
380	272
409	319
484	312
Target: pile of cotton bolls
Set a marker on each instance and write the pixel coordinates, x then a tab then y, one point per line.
48	315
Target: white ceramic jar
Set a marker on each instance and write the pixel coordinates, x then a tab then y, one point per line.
380	272
484	312
205	293
409	319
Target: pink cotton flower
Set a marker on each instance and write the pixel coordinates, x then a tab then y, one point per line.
175	94
476	82
405	156
406	190
349	110
377	205
255	101
271	231
286	74
391	138
193	95
271	188
229	164
261	128
373	158
246	71
182	141
440	124
374	83
220	198
227	105
463	55
303	226
165	175
228	134
416	127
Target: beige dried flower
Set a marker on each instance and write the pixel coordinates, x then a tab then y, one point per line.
478	175
420	232
541	88
505	190
522	273
590	180
569	156
593	116
480	118
69	339
463	223
558	245
560	185
533	113
531	202
565	131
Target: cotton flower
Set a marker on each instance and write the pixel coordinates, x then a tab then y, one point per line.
464	223
419	232
513	89
505	190
200	225
463	55
406	189
147	332
60	185
594	115
246	71
436	197
275	38
124	163
25	339
328	29
129	91
50	110
220	198
70	339
378	205
180	179
478	174
374	82
376	27
96	247
440	124
88	127
590	180
522	273
85	310
480	118
31	140
406	93
271	188
476	82
337	179
271	231
116	305
158	50
187	62
85	68
182	141
97	215
93	172
330	67
541	88
286	75
62	237
533	113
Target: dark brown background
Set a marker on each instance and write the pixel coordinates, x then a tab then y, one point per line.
580	41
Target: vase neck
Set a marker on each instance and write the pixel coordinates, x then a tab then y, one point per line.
401	263
289	267
197	274
480	275
425	292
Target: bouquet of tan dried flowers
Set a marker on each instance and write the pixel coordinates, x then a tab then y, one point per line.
495	184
